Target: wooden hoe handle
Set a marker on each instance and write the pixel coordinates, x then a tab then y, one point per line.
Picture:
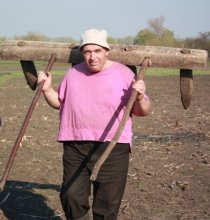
110	147
24	125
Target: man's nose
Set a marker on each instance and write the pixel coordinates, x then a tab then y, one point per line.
92	56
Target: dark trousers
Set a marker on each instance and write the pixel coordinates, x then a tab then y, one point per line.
79	157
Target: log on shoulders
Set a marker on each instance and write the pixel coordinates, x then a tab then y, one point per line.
164	57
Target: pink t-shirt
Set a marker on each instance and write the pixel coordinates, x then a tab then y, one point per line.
92	105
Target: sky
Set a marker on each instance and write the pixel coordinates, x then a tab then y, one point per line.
120	18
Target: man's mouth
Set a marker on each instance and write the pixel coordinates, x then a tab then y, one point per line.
93	64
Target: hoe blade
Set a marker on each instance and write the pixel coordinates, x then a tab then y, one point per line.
30	73
186	87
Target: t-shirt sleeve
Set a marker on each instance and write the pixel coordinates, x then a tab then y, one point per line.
62	88
130	76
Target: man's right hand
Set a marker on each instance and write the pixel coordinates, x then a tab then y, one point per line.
48	80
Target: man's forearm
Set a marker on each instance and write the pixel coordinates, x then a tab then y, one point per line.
141	107
51	97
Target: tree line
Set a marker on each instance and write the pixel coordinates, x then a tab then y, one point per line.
156	34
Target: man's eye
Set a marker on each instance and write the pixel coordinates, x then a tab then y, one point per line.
86	52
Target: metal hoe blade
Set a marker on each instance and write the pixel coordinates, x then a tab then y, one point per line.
186	87
30	73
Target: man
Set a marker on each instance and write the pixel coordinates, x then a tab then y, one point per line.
91	99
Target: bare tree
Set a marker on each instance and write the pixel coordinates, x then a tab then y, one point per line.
156	25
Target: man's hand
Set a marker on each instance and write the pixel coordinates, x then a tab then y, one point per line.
48	80
140	87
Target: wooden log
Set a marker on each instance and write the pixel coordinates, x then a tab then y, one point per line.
165	57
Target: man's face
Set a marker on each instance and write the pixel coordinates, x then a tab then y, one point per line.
95	57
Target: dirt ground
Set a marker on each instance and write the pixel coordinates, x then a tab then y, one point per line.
169	173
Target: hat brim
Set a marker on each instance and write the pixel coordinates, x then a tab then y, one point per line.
96	42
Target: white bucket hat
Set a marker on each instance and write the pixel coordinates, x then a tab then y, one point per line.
94	36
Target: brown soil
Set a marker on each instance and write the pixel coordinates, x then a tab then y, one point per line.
169	168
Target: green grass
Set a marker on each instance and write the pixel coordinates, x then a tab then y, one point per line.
161	72
12	69
201	72
172	72
4	77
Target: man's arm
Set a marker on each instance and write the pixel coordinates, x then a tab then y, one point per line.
50	94
141	106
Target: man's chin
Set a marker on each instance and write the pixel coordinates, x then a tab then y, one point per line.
94	69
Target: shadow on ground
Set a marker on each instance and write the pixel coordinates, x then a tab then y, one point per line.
26	199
